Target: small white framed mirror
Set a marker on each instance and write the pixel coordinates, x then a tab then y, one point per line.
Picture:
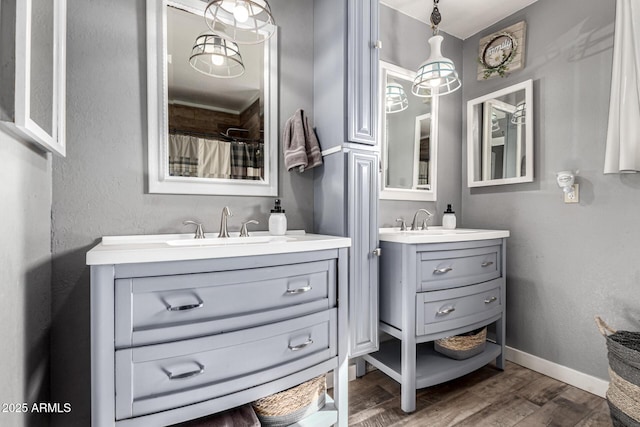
500	137
209	132
409	130
33	72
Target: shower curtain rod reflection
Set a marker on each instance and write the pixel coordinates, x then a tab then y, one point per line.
219	135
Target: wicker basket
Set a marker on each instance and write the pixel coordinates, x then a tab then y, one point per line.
463	346
292	405
623	394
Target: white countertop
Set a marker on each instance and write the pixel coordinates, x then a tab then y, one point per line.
439	235
178	247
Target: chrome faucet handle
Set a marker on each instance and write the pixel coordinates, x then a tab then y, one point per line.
243	228
199	231
425	223
403	225
414	223
223	222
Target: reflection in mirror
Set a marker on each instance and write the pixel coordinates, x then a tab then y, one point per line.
500	137
217	130
42	64
409	138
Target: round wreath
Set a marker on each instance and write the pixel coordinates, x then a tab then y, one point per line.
503	67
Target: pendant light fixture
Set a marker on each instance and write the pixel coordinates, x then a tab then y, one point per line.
437	75
395	98
242	21
214	56
518	117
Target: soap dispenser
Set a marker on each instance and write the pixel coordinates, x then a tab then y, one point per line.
277	220
449	219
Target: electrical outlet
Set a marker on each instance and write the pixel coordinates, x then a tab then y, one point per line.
574	195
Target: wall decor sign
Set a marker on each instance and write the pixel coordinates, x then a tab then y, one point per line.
502	52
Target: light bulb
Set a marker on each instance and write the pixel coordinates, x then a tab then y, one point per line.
241	13
217	59
434	82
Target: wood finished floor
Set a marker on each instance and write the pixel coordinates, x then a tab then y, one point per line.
488	397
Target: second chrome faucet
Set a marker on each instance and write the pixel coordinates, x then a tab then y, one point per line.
223	222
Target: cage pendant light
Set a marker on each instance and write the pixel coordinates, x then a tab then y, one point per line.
241	21
214	56
437	75
518	117
395	98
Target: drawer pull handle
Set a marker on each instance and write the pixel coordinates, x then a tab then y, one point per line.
490	300
442	270
301	290
446	311
486	264
186	307
301	346
186	375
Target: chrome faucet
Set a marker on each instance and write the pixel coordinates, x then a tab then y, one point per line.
223	222
414	223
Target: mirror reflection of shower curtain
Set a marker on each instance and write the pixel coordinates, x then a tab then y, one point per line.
622	152
191	156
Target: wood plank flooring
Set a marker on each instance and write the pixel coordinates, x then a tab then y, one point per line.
487	397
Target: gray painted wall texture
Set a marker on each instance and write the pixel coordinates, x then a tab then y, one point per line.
100	187
25	278
565	263
404	43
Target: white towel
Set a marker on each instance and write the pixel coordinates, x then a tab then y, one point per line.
622	152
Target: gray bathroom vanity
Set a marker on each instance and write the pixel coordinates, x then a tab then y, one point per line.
438	283
182	328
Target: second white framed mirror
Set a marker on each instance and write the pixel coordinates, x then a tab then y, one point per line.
500	137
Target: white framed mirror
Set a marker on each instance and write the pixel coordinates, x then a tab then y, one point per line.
208	134
33	76
500	137
409	130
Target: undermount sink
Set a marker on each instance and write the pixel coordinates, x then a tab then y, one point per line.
439	235
224	241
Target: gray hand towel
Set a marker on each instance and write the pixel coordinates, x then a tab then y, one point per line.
293	142
300	144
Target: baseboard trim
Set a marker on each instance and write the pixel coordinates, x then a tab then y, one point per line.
570	376
352	375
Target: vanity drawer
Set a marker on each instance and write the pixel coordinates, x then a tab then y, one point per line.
455	308
448	269
152	310
159	377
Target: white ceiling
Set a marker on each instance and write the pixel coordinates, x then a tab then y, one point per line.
460	18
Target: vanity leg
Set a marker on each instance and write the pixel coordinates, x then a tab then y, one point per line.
500	333
408	385
361	367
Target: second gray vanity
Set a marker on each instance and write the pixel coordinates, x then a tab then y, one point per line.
433	284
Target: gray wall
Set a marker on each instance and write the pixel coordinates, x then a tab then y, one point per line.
565	263
404	43
99	188
25	278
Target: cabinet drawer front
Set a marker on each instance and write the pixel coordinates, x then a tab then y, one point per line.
164	376
446	269
442	310
166	308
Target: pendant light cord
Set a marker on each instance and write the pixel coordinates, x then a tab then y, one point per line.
435	18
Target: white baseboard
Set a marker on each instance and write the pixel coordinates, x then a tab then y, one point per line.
352	375
570	376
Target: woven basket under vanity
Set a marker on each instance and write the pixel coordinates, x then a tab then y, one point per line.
623	394
292	405
463	346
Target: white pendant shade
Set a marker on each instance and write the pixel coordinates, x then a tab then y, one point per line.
395	98
518	117
242	21
437	75
214	56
